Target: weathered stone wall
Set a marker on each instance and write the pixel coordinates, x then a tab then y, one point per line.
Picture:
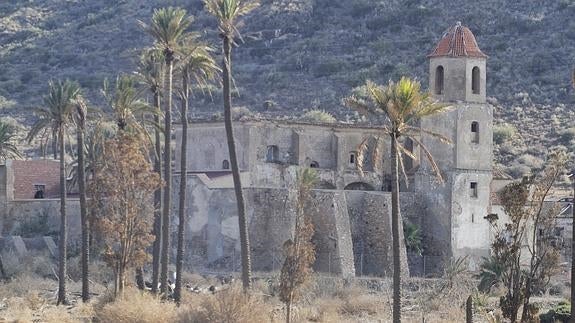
42	215
370	218
213	237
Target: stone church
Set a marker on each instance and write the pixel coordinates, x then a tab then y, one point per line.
353	230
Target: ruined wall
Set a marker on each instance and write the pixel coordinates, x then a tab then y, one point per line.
213	237
208	148
40	215
370	218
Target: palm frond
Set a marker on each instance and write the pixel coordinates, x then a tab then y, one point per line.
443	139
400	151
431	160
167	27
8	149
227	13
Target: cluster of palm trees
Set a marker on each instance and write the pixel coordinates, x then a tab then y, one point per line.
179	57
179	61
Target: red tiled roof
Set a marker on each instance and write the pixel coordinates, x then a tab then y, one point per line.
458	41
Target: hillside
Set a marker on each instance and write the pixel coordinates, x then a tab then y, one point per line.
302	54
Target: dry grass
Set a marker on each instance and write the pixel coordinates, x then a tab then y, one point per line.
230	306
137	306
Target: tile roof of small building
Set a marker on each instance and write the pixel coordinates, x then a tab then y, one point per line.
457	41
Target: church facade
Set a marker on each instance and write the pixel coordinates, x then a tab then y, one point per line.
353	232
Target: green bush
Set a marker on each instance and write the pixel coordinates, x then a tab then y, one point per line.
318	116
329	67
503	132
568	135
559	313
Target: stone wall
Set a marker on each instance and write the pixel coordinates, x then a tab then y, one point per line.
213	237
39	217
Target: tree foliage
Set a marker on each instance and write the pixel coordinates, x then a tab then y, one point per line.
525	252
8	149
122	190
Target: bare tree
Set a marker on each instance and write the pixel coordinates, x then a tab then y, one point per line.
530	223
299	251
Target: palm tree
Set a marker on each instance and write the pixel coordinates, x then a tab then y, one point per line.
227	12
402	104
127	108
167	28
8	149
150	72
198	66
80	117
56	115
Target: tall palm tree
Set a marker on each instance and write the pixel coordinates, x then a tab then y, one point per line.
80	116
8	149
56	115
151	72
402	104
168	26
227	13
196	66
573	233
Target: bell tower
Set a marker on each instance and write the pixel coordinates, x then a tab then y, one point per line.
457	77
457	67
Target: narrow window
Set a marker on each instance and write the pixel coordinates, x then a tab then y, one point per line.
472	218
473	190
475	79
225	164
272	154
439	80
314	164
475	132
352	157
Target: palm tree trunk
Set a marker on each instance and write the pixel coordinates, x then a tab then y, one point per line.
62	252
83	208
243	224
168	178
140	278
156	254
395	230
183	186
573	250
55	144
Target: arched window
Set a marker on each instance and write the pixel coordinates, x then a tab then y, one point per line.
475	132
272	154
439	80
314	164
225	164
475	80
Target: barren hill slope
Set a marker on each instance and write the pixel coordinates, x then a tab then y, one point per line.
302	54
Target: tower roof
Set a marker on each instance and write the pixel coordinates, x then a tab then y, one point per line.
457	41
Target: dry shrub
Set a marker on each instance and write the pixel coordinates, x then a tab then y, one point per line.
20	286
325	310
16	310
137	306
32	264
362	305
230	305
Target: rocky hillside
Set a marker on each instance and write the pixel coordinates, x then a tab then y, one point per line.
304	54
